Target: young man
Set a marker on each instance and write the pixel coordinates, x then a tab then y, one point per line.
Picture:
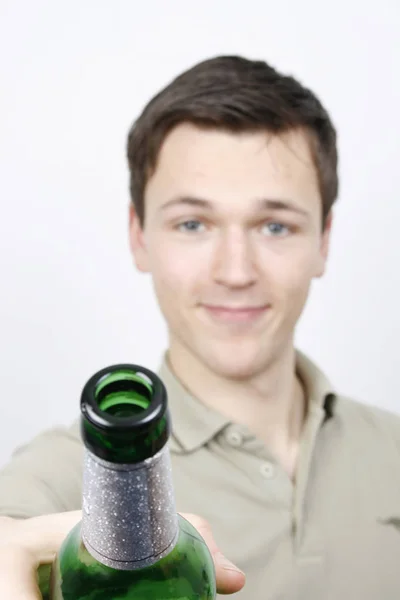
233	178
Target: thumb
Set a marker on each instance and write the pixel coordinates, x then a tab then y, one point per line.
42	536
24	545
230	578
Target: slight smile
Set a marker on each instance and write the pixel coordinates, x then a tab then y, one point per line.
235	314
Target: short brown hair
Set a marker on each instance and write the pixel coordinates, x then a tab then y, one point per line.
235	94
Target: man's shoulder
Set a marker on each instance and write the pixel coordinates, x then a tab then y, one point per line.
367	420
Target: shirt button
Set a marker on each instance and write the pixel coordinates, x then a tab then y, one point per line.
234	438
267	470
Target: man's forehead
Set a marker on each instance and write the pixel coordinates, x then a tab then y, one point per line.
202	152
208	164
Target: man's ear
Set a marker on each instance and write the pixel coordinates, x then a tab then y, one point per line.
137	241
324	245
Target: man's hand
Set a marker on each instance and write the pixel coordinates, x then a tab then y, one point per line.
25	544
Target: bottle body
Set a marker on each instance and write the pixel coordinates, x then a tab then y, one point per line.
186	573
130	544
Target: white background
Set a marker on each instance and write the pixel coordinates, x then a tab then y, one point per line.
74	74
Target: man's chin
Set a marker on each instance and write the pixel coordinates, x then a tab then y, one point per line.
234	368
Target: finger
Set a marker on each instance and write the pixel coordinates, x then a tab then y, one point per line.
18	576
230	578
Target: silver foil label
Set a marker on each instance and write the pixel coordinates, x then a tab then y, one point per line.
129	516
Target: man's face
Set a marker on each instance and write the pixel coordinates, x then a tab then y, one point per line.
232	239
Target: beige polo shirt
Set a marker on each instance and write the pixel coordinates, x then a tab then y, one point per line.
333	535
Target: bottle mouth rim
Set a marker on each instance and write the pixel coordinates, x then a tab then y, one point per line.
156	409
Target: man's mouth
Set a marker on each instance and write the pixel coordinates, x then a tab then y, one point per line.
235	314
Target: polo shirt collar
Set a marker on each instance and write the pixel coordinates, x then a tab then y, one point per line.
195	424
319	391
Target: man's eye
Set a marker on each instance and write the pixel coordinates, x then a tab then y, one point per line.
191	225
275	229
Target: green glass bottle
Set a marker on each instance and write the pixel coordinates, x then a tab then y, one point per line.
130	544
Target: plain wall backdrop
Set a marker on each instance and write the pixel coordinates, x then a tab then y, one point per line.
74	74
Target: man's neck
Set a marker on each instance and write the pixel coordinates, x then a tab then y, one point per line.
271	405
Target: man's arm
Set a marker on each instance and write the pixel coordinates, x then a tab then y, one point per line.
43	476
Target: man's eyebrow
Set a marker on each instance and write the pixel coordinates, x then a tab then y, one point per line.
288	205
260	204
187	200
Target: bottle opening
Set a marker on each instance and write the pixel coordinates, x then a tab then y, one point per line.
124	394
124	414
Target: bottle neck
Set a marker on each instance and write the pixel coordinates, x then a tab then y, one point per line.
129	517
